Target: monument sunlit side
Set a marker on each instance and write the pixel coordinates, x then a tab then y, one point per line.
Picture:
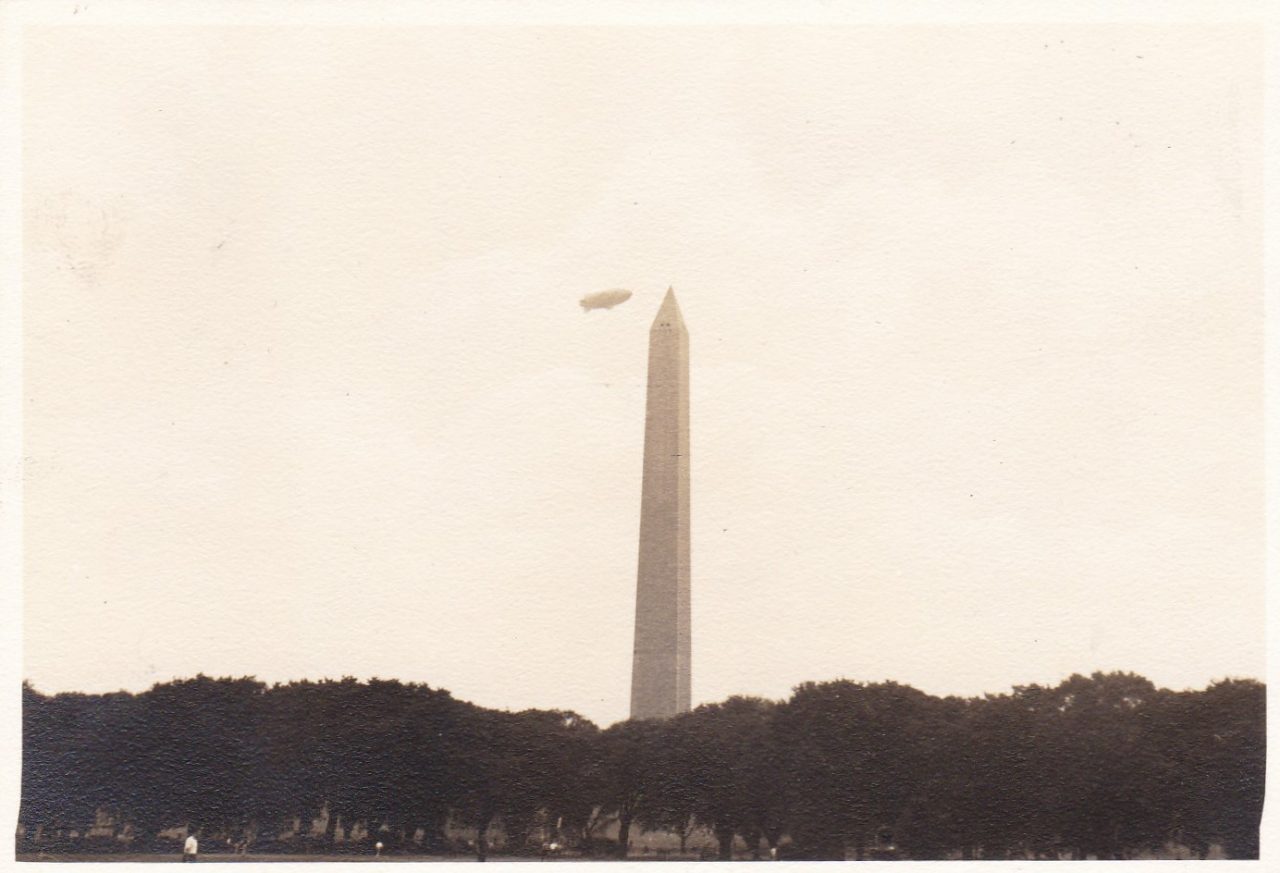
660	672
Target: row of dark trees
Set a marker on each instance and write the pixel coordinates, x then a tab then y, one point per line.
1107	766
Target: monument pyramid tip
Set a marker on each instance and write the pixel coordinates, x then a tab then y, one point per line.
670	307
669	311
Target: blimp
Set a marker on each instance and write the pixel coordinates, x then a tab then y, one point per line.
604	299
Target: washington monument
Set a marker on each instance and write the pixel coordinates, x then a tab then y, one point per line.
660	670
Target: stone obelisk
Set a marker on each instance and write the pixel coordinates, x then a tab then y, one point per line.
660	669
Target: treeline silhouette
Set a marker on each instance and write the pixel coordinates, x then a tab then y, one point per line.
1106	765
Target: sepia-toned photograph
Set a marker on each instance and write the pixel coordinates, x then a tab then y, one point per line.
495	433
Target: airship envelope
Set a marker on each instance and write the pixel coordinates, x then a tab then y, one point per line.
604	299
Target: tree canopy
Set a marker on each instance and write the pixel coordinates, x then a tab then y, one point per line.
1106	765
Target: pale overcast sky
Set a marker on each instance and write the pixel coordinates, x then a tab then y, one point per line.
976	335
